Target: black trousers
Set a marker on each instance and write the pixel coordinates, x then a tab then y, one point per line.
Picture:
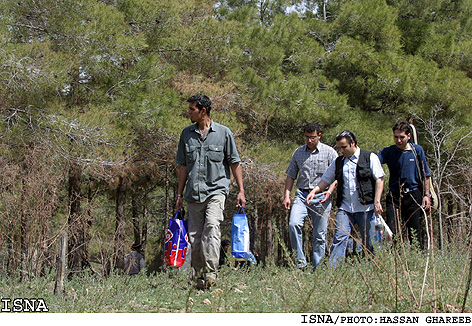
404	213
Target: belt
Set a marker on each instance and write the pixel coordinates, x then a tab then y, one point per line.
306	190
407	190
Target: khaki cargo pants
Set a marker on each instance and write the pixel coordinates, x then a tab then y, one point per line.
205	236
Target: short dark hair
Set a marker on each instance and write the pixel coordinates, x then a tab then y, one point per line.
202	101
312	127
136	246
346	134
225	243
402	126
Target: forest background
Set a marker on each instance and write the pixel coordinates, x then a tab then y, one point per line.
92	102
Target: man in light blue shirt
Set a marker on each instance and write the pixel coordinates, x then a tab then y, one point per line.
360	185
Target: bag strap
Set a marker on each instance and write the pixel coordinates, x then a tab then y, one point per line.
239	210
179	215
418	165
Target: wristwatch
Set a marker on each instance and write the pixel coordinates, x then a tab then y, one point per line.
180	195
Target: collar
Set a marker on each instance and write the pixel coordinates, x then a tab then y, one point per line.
356	154
409	148
316	149
197	130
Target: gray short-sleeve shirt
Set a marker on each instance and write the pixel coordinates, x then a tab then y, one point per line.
208	161
308	167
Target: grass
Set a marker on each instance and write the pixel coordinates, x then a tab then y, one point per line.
392	282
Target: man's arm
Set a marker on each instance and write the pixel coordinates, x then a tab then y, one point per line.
288	189
183	173
321	185
379	185
330	191
238	176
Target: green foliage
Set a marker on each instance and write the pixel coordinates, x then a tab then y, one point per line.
261	12
393	83
370	21
31	74
439	30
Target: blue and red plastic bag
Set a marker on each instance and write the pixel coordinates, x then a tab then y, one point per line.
176	242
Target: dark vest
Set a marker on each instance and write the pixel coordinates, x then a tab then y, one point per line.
364	176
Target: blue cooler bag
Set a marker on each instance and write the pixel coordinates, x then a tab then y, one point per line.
240	236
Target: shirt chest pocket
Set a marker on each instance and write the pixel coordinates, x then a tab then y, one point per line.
192	153
321	166
215	153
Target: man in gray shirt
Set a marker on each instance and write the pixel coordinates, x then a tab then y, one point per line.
308	164
134	261
206	154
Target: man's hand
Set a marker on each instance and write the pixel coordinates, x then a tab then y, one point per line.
327	194
179	203
241	199
238	176
287	202
426	203
310	196
378	208
288	189
330	190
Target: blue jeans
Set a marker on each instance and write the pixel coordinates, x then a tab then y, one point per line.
320	214
345	222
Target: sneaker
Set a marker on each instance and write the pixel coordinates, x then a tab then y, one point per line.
302	268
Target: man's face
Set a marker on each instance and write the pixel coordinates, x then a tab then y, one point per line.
312	139
346	148
195	114
401	139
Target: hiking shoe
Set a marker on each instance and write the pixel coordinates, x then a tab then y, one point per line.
200	285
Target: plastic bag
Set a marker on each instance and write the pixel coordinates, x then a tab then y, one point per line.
240	236
176	241
379	229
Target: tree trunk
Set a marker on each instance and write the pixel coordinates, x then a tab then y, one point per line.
23	233
135	219
76	243
254	221
118	260
440	220
144	231
324	10
167	199
61	266
270	240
